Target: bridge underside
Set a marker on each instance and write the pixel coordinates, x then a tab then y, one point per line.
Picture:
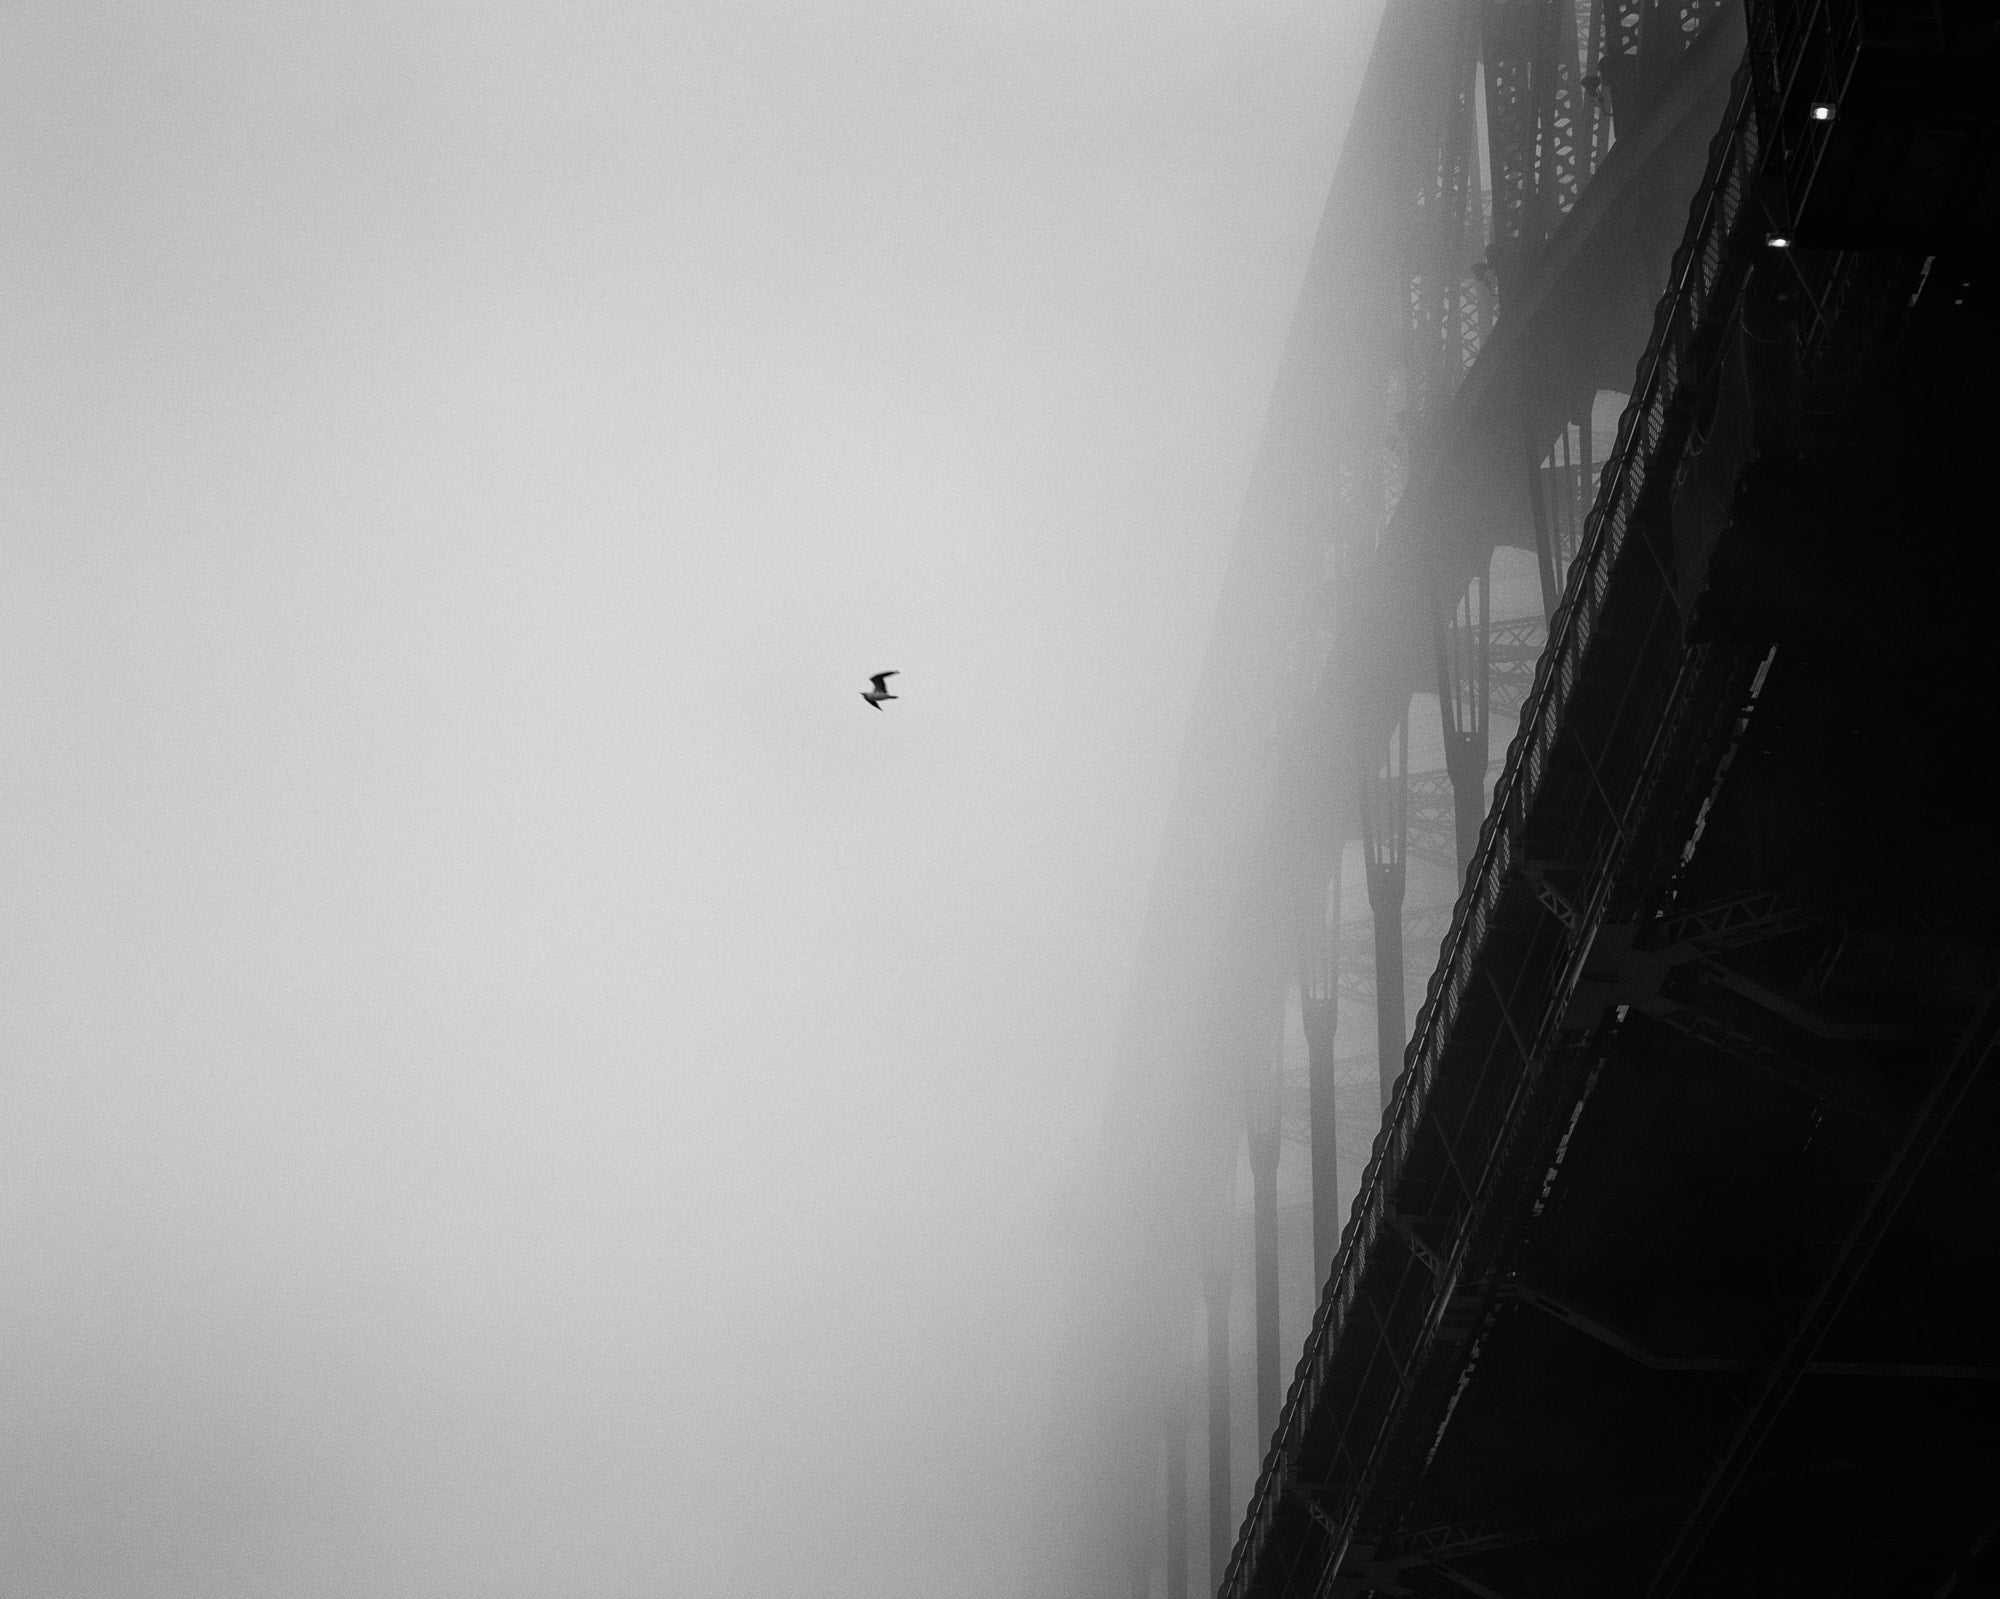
1713	1226
1672	1272
1720	1301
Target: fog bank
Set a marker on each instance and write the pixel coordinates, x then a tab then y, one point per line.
517	1080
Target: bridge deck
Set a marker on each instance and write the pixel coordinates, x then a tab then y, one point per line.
1669	1255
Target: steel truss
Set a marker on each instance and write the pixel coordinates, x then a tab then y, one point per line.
1472	1100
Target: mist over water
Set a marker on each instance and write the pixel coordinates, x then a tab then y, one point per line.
517	1081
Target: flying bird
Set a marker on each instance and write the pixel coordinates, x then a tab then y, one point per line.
880	692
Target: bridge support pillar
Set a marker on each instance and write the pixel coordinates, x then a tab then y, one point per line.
1385	818
1560	492
1319	979
1460	628
1215	1290
1262	1126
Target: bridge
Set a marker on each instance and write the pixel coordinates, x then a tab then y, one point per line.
1616	579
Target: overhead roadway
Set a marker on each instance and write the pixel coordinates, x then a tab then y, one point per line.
1666	1273
1669	1273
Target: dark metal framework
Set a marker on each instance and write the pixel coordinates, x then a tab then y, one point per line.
1174	1428
1216	1282
1671	693
1385	1319
1651	933
1906	154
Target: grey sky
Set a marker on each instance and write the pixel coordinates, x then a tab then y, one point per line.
517	1082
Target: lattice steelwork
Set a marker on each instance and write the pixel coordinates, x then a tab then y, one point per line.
1510	132
1441	249
1488	124
1461	979
1319	1012
1385	810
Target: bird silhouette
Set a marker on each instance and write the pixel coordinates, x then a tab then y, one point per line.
880	692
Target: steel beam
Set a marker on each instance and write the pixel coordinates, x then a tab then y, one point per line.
1262	1125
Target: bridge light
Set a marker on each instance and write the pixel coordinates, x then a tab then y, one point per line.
1778	241
1821	111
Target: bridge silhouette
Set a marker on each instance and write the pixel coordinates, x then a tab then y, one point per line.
1666	1271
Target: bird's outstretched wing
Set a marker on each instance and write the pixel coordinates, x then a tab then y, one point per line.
881	682
871	699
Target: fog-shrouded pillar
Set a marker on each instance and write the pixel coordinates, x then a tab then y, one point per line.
1461	625
1319	979
1385	823
1216	1281
1261	1123
1560	491
1174	1424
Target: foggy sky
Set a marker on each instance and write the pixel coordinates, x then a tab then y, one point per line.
516	1081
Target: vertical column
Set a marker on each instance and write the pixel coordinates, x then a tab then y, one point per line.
1319	996
1385	820
1215	1284
1174	1421
1455	247
1549	559
1435	282
1562	487
1561	138
1261	1123
1460	627
1507	50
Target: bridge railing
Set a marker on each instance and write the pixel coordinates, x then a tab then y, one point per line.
1672	357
